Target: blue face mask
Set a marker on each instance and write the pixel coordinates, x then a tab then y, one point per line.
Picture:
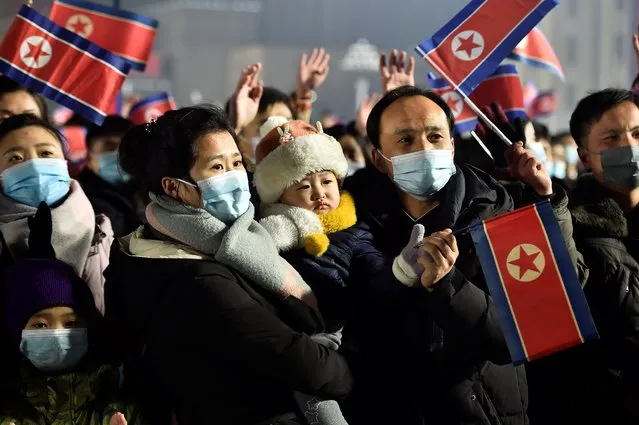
109	169
621	166
54	350
227	196
571	155
558	170
422	174
35	181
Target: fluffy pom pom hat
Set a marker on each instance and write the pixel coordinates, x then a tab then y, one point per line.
289	151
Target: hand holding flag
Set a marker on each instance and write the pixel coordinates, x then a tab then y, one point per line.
524	166
513	129
440	253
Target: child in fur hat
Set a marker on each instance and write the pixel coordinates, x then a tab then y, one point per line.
298	177
50	322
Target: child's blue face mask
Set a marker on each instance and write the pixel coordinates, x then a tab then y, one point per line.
35	181
54	350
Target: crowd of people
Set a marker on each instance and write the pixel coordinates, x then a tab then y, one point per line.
245	266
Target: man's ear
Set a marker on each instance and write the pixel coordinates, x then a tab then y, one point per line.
379	162
584	156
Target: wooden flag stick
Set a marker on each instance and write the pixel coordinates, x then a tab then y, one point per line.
472	105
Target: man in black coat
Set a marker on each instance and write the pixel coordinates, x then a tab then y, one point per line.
447	361
604	378
108	188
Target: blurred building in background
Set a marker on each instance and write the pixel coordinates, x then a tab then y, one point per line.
203	44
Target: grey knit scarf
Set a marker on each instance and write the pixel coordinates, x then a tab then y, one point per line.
243	245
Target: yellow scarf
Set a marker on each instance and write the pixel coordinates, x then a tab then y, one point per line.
343	217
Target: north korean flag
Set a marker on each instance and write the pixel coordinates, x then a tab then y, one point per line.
545	104
503	87
535	50
530	93
64	67
472	45
465	118
542	308
152	107
126	34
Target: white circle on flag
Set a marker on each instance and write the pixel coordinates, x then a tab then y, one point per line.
152	114
525	262
468	45
35	52
454	101
81	25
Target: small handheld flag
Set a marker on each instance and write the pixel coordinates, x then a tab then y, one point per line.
150	108
124	33
472	45
543	105
530	93
503	87
66	68
531	278
535	50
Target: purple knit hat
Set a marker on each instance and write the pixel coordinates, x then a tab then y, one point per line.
32	285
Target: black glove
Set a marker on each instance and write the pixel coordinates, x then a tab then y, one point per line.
41	230
513	130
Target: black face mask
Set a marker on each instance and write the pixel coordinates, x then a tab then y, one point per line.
621	166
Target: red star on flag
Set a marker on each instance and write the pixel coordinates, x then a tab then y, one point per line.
525	262
467	45
452	103
78	26
35	52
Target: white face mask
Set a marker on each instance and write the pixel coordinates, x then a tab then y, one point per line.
54	350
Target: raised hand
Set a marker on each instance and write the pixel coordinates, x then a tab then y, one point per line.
439	254
513	130
635	43
399	71
524	166
312	72
364	111
246	97
118	419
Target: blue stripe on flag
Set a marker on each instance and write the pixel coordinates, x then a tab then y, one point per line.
160	97
513	114
567	271
536	63
465	126
122	14
69	37
504	70
498	294
51	92
438	83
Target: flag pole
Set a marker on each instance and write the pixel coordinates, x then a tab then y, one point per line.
471	104
483	146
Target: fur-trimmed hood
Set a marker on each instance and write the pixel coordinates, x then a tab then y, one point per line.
595	213
293	227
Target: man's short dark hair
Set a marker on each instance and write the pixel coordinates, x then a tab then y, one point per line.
375	117
591	108
113	125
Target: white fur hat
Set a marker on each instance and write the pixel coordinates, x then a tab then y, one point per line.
288	153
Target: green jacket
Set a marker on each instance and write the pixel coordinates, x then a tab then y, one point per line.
90	395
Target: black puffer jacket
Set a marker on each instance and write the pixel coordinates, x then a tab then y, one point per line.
199	338
116	202
440	357
605	373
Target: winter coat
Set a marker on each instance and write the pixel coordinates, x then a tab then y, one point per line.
80	238
601	379
201	339
332	252
117	202
90	395
447	362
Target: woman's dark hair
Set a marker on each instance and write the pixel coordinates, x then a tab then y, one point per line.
16	122
166	147
7	85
